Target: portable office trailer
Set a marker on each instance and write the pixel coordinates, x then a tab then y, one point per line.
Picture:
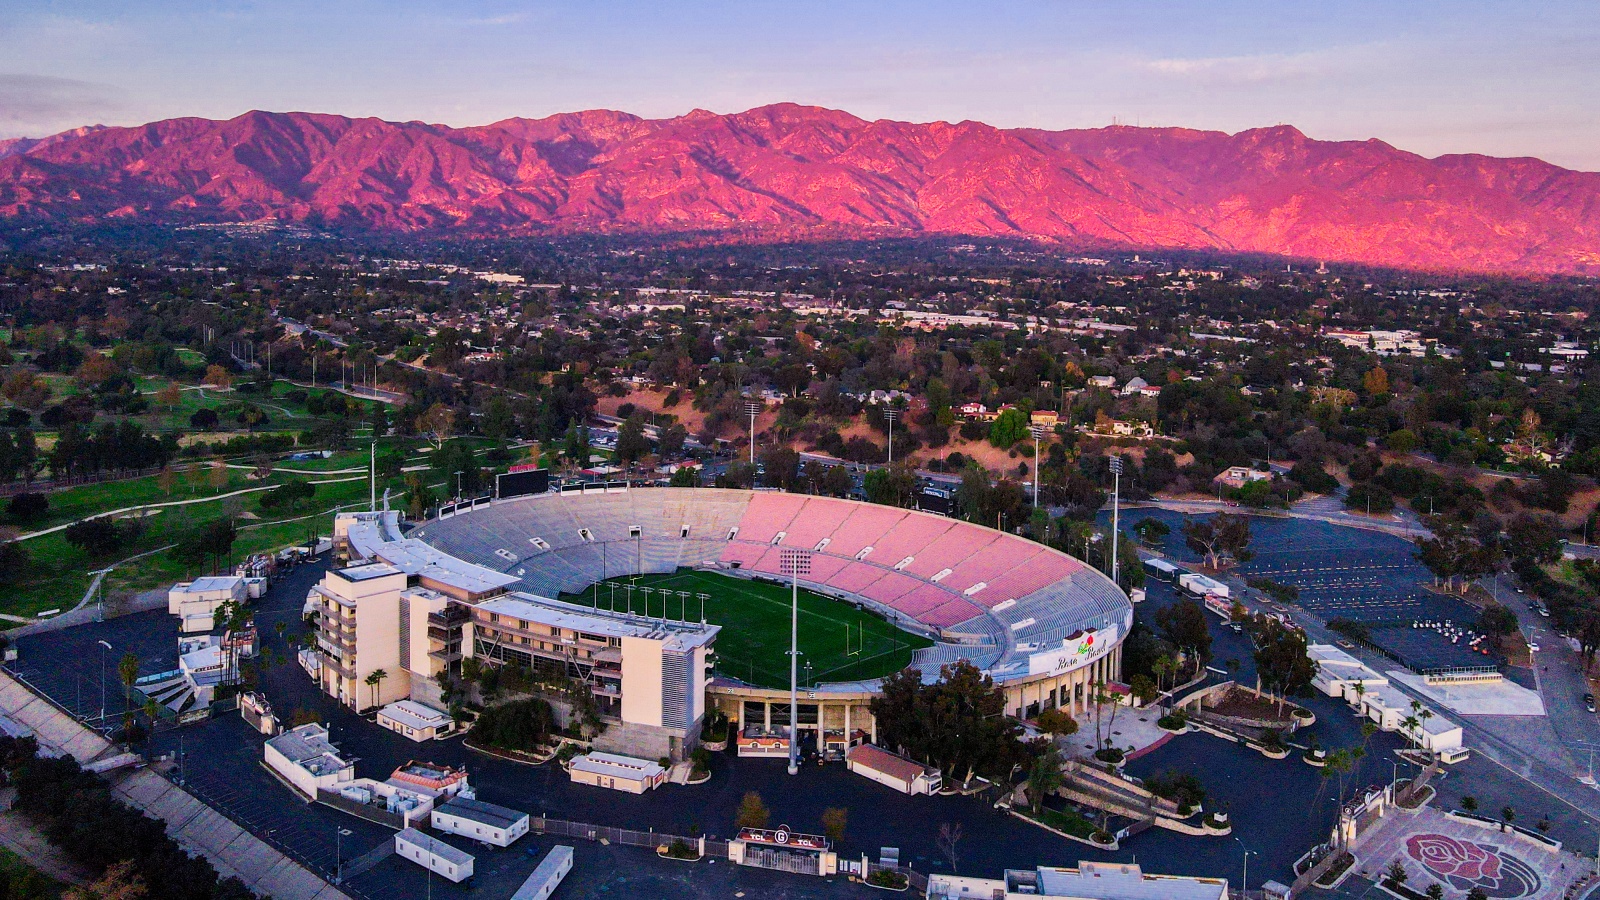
1161	570
434	854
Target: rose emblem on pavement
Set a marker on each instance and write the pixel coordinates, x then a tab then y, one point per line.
1466	865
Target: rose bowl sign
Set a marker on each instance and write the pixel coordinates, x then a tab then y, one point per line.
1078	650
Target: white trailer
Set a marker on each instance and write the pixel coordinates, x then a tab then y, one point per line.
1201	586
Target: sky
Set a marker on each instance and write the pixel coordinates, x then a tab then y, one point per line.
1500	78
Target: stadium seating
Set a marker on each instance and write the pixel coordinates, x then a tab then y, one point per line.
984	591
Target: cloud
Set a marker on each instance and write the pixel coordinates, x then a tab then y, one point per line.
1260	67
38	105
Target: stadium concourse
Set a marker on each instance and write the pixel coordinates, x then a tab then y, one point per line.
1041	623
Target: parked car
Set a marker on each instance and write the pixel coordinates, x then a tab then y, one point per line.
1588	702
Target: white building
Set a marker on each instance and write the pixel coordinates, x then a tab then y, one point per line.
1341	675
307	760
616	772
433	854
548	876
1338	673
195	602
415	720
892	770
480	821
1089	881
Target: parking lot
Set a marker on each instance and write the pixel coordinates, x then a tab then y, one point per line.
1367	576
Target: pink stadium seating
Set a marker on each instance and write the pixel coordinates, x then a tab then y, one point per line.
1043	570
951	613
909	537
923	599
951	548
818	519
891	587
742	553
999	558
768	514
865	525
855	577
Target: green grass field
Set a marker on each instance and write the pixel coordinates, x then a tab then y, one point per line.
841	642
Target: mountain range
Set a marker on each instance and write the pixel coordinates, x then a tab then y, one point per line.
792	172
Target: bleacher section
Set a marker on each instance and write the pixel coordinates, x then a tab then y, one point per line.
992	597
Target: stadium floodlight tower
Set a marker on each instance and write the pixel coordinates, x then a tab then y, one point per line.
752	408
794	562
889	415
1116	503
1039	432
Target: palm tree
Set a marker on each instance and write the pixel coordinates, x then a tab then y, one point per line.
1044	778
375	677
128	671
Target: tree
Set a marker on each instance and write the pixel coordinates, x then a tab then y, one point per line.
26	389
1055	722
957	723
1280	655
948	840
218	377
27	507
834	820
1143	688
632	445
672	440
1224	536
890	487
1183	624
170	395
1375	382
120	881
373	679
97	538
1535	538
205	419
437	423
128	671
1469	803
1008	428
1044	777
685	477
1151	531
753	812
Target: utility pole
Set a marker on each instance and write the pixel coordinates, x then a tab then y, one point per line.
372	477
104	649
889	415
1038	435
794	562
1116	526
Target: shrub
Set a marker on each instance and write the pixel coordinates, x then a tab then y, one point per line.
887	878
521	725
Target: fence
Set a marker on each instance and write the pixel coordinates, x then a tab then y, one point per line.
624	836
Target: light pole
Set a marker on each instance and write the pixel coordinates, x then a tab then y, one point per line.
889	415
752	408
458	486
338	854
1116	526
794	562
1038	435
104	649
1244	886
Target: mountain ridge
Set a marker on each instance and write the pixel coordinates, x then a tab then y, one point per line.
794	170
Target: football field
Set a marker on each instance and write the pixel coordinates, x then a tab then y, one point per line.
840	642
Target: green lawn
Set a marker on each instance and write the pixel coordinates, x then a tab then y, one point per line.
57	577
20	880
841	642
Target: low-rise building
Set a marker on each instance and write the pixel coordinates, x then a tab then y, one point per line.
305	759
415	720
195	602
433	854
616	772
1089	881
547	876
480	821
893	770
785	850
1238	476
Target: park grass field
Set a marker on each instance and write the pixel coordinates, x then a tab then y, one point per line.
840	642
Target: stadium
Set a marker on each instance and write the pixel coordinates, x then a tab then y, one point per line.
885	588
